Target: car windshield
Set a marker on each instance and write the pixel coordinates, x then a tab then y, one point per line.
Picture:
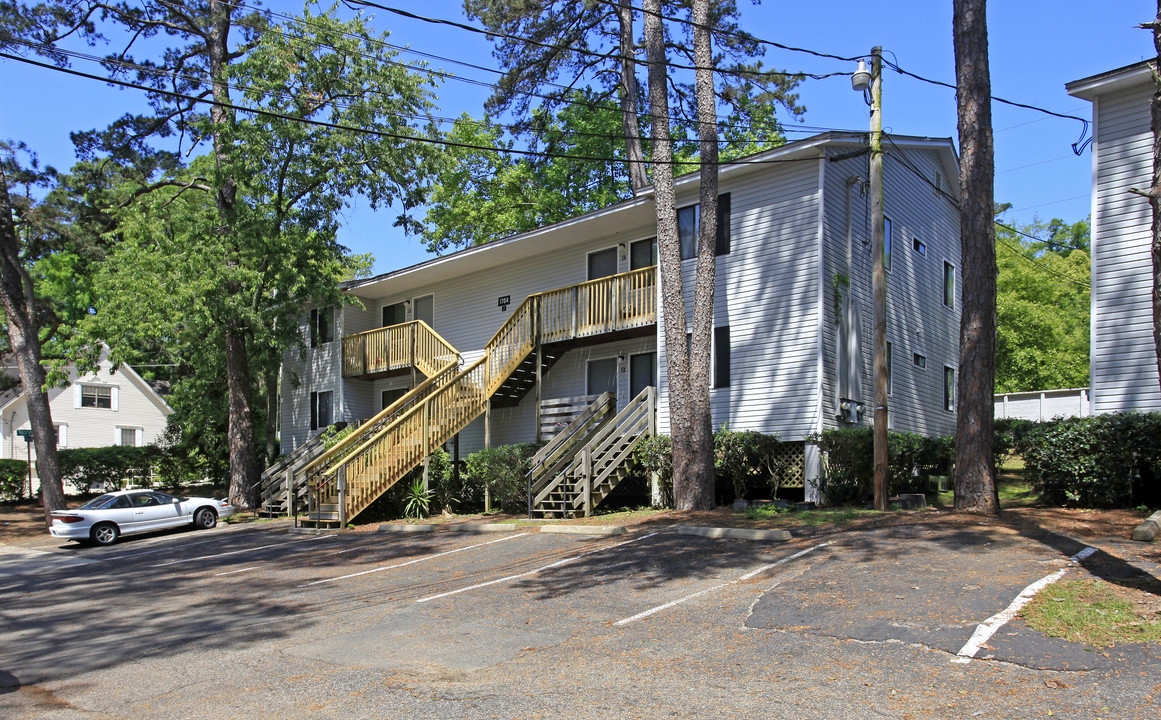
99	503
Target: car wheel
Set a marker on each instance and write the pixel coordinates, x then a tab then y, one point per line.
104	534
205	518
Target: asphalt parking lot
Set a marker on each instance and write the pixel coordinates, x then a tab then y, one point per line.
242	622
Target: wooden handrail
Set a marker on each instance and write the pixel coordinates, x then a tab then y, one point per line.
376	457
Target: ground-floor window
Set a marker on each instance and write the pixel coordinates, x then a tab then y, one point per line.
321	409
642	372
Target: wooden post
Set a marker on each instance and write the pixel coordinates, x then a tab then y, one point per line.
487	445
878	282
290	499
539	378
426	444
587	471
341	484
411	334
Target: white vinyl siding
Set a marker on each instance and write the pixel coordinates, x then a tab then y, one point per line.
133	405
1123	359
917	320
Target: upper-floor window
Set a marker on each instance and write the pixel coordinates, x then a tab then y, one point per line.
602	263
394	314
948	284
321	326
642	254
688	221
948	388
920	246
96	396
128	437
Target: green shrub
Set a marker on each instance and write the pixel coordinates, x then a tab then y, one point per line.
112	466
848	471
655	455
503	471
748	459
13	473
1109	460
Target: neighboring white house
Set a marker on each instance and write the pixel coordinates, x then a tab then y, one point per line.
1123	358
95	409
792	312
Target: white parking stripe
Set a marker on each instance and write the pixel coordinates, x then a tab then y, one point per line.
985	630
235	552
558	563
747	576
231	572
410	562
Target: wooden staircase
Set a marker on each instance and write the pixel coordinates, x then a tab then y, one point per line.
582	465
348	477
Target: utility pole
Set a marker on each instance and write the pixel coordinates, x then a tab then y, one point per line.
878	280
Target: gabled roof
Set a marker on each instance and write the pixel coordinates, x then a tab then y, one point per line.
16	394
621	217
1129	76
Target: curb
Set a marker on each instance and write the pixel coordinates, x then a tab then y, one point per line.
483	527
1148	530
583	529
394	528
736	533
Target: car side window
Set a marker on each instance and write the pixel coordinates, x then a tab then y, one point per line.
144	500
120	503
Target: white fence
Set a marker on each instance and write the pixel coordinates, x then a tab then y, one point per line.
1043	404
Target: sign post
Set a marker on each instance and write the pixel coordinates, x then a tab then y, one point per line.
27	435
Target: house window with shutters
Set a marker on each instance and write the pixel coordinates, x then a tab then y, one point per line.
128	436
96	396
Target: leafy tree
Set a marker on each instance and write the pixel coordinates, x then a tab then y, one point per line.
30	231
220	259
1042	306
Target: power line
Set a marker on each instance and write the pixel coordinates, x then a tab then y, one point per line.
377	133
589	53
910	166
1077	147
168	72
558	99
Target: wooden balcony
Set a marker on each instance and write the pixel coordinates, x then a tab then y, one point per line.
588	311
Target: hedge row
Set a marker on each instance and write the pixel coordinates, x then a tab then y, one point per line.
848	473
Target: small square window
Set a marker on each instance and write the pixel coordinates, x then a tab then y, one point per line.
128	437
920	361
95	396
920	246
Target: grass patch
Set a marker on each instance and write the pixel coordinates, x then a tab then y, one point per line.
1091	612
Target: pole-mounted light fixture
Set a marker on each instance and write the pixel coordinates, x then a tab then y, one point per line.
861	80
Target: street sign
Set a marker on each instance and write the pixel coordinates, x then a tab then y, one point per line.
26	434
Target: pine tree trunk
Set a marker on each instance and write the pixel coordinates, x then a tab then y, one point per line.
669	254
628	88
975	477
19	299
1154	192
697	490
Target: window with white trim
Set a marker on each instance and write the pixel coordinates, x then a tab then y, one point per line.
689	221
949	388
128	436
948	284
96	396
321	409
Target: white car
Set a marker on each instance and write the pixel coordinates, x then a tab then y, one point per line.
103	519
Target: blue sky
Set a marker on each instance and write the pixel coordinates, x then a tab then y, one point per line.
1036	46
